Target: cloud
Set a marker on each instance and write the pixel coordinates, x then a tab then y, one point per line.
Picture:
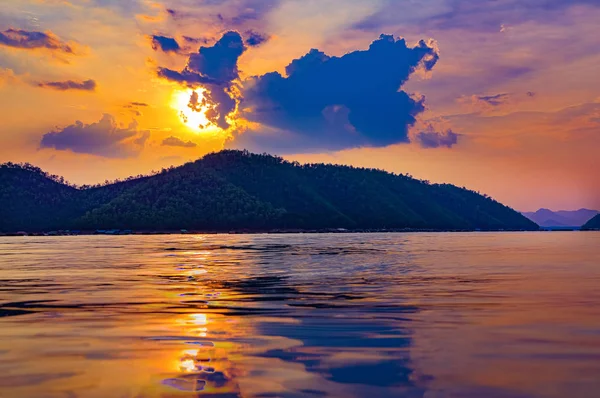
125	8
495	101
186	76
242	13
196	40
234	14
211	65
134	107
219	62
174	141
28	40
215	68
429	138
482	15
165	44
86	85
323	102
178	14
255	39
8	76
103	138
334	103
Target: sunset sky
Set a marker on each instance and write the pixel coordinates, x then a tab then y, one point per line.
500	96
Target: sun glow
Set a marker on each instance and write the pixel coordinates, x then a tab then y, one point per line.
192	107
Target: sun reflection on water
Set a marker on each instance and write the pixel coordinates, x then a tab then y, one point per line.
199	319
206	367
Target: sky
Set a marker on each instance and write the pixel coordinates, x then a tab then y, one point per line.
499	96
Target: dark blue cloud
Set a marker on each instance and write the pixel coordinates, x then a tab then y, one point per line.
29	40
174	141
338	102
165	44
215	68
429	138
254	39
211	65
103	138
219	62
86	85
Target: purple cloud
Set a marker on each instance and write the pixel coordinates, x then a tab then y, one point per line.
29	40
196	40
134	107
103	138
255	39
178	142
483	15
429	138
493	100
86	85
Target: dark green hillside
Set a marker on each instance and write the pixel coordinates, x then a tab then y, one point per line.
594	223
188	197
240	190
31	199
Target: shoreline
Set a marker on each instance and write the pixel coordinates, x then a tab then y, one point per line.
271	232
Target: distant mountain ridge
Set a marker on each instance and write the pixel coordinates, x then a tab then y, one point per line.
564	218
233	190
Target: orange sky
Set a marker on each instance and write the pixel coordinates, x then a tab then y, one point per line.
517	81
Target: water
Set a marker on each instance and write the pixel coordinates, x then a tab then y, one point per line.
357	315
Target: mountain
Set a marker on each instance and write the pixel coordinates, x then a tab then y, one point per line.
563	218
594	223
239	190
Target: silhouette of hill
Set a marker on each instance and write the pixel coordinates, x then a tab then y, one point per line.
594	223
563	218
239	190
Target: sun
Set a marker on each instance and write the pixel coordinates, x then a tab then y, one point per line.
192	108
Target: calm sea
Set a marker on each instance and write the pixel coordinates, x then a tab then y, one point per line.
340	315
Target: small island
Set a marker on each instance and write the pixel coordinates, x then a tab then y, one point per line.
242	191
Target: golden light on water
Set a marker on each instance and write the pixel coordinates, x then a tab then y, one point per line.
188	365
192	112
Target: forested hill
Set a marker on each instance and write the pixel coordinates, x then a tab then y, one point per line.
239	190
594	223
